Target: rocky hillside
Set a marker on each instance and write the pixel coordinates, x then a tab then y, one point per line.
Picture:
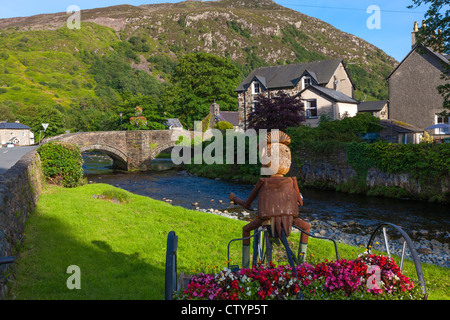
40	55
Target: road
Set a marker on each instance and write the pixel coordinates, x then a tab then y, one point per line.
9	156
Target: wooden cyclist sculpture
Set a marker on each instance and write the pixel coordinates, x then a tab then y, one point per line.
278	199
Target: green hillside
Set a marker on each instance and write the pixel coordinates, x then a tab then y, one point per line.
124	56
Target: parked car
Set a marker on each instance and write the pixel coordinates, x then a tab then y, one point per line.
10	145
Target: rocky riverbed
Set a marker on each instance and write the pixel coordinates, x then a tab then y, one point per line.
352	233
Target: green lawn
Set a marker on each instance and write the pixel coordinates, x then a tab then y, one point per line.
120	247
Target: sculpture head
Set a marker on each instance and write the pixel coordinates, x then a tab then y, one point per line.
278	150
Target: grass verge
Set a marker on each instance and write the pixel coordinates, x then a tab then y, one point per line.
120	247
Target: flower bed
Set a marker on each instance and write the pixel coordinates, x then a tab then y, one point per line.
367	277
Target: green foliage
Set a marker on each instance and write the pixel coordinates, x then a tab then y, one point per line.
117	194
155	115
237	27
198	80
296	39
368	85
333	133
114	71
139	44
34	116
421	161
223	125
62	163
162	63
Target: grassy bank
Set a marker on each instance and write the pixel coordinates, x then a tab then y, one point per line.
120	246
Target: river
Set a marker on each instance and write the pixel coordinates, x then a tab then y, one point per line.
164	182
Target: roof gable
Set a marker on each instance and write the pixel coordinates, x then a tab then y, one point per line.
438	56
330	94
285	76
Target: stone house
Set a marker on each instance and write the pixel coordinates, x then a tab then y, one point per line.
378	108
413	95
326	87
215	115
17	133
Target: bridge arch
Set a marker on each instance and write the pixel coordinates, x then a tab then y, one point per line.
158	149
120	159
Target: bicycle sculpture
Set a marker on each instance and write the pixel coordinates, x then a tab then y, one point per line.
278	211
278	200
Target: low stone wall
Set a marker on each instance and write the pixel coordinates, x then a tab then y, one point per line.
20	188
332	171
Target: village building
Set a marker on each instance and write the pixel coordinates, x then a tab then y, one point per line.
413	95
16	133
325	87
377	108
216	115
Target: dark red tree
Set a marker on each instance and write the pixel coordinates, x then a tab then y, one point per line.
279	111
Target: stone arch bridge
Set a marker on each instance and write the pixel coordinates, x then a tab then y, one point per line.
130	150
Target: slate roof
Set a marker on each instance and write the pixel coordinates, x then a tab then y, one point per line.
173	122
13	125
330	93
286	76
229	116
368	106
399	126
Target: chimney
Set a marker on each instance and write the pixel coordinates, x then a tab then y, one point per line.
413	34
214	112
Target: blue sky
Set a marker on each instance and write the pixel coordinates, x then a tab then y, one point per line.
393	35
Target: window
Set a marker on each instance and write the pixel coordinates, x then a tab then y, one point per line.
306	82
256	88
444	120
311	109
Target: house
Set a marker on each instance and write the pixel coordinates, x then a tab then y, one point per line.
215	115
378	108
173	124
17	133
325	86
399	132
413	95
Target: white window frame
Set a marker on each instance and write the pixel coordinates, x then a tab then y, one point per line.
439	130
304	82
255	85
308	107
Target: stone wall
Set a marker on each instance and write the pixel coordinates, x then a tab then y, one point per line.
332	171
20	188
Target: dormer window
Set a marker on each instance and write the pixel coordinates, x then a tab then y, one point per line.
256	88
306	82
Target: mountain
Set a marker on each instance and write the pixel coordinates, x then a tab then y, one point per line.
44	62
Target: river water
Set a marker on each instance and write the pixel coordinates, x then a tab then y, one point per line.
431	221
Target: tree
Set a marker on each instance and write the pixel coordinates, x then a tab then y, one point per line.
198	80
34	116
278	112
435	33
141	112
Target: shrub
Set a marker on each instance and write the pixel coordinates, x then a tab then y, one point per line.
62	163
223	125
